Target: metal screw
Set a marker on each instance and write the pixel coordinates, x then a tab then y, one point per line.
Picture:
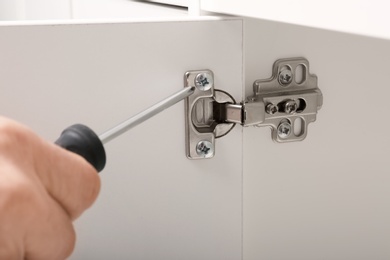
204	81
205	149
285	77
284	130
290	106
271	109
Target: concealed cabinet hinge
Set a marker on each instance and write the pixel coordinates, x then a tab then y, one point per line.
287	102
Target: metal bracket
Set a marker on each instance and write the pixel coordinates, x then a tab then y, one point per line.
204	114
287	102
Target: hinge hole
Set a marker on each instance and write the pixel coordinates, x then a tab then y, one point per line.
300	74
202	112
298	126
301	105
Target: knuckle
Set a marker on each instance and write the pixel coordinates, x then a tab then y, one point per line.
69	243
95	187
64	243
23	203
89	190
20	201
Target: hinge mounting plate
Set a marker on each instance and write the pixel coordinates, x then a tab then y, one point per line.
204	114
287	102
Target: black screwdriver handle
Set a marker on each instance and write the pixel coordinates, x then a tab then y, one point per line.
81	140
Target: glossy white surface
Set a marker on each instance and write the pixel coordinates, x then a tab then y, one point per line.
16	10
184	3
123	9
12	10
48	9
364	17
327	197
154	202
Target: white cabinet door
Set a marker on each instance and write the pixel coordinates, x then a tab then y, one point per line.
154	203
327	197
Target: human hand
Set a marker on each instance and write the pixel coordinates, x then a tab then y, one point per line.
43	188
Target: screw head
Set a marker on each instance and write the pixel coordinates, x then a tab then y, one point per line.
285	77
205	149
204	81
284	130
290	106
271	109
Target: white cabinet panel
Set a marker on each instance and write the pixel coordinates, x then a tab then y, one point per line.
154	203
327	197
365	17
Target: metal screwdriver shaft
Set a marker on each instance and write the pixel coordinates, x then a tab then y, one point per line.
83	141
145	115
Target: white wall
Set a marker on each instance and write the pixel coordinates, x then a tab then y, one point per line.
120	9
12	10
84	9
48	9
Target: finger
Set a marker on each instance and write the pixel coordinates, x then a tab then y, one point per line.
68	178
10	249
51	234
33	225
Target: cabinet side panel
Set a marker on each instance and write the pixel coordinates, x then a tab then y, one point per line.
328	196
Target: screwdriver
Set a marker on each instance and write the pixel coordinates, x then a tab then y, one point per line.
83	141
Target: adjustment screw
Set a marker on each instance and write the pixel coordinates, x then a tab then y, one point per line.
204	81
271	109
284	130
290	106
285	77
205	149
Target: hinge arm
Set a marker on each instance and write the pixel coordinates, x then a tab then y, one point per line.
246	114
